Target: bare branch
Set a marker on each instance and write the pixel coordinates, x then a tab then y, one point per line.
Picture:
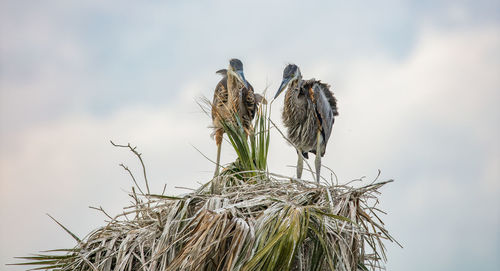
133	149
102	210
132	176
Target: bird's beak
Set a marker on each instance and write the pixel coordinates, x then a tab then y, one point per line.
284	84
241	77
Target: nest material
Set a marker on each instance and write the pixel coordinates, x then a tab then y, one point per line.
265	223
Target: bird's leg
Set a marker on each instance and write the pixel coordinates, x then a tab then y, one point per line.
218	141
300	164
317	161
218	161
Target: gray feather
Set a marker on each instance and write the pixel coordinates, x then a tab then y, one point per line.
325	111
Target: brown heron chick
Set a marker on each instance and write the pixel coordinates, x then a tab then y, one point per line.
233	94
308	114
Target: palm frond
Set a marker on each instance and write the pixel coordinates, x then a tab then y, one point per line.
252	149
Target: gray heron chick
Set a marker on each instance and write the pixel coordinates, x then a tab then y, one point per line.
308	114
233	94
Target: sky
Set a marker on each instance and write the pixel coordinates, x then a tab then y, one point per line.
417	83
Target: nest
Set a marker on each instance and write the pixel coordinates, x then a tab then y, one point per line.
268	222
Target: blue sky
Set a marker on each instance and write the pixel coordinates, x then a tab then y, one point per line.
417	84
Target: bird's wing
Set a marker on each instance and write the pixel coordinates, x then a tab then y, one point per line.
331	99
324	109
249	101
220	97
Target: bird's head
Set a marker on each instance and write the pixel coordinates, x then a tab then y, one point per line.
236	69
291	78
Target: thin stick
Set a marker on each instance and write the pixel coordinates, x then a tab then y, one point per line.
132	176
203	154
133	149
102	210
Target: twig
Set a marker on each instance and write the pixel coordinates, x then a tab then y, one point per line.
334	174
134	196
187	188
102	210
133	149
203	154
132	176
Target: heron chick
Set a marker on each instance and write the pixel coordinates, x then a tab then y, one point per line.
308	114
233	94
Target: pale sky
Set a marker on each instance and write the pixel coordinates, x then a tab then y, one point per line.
417	83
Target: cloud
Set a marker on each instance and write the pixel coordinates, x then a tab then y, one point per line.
427	118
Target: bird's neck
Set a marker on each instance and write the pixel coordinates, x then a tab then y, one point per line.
295	88
294	93
300	83
233	89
